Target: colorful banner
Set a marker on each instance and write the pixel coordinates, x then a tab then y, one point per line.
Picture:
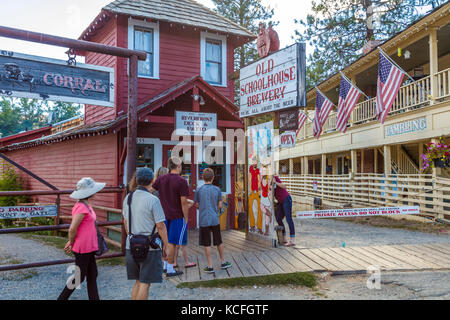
357	212
260	169
27	212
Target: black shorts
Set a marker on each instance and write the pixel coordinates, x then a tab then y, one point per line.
205	236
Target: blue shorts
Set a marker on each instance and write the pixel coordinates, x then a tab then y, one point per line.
177	231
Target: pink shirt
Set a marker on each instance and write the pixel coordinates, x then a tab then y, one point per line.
86	238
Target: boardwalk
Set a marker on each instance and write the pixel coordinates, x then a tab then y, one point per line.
252	259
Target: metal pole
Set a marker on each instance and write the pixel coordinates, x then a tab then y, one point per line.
132	117
69	43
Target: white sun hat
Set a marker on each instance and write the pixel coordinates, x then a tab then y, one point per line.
86	187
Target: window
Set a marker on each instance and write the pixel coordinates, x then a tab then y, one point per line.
113	234
143	41
145	156
144	36
213	66
213	59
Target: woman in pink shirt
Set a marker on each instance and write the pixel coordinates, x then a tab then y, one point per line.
83	242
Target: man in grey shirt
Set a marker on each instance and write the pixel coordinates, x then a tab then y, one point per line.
208	199
146	212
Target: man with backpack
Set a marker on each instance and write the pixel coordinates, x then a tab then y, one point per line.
143	214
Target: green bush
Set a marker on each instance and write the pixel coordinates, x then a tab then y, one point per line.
10	181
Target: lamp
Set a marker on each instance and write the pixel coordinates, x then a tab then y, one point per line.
407	54
196	97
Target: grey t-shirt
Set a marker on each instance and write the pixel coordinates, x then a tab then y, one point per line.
146	210
208	197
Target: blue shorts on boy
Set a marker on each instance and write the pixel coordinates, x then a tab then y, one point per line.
177	231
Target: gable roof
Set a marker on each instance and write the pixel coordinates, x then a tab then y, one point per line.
187	12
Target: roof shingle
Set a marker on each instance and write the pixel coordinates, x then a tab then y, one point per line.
187	12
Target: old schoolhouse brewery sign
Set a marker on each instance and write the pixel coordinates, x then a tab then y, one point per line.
34	77
274	83
196	123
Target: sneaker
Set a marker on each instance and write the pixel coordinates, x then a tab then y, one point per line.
208	270
226	265
174	274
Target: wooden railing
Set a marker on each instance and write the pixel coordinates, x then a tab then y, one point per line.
374	190
443	83
411	96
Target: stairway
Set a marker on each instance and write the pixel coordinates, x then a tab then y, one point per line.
401	162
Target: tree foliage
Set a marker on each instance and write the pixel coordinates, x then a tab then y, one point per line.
338	29
17	115
247	14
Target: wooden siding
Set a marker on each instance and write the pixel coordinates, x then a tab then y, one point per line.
64	164
108	36
179	59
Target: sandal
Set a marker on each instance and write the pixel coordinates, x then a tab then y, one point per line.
190	265
289	244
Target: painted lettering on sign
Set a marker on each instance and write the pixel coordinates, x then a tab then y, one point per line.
26	76
27	212
410	126
274	83
195	123
357	212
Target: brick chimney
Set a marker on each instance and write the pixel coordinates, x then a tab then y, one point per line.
369	45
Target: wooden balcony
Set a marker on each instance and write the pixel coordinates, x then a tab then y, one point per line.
411	96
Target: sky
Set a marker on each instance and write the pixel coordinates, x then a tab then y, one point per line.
69	18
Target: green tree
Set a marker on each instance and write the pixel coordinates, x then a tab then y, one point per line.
247	14
338	29
19	115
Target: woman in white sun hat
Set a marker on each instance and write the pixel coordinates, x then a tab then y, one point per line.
83	240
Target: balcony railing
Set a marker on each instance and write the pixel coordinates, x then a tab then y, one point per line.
432	195
411	96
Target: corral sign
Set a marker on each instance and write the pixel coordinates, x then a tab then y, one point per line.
33	77
274	83
27	212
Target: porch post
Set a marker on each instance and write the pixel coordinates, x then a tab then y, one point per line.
433	48
306	165
291	166
387	171
132	117
375	160
437	193
353	159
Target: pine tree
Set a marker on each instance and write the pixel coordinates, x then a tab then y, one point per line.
338	29
247	14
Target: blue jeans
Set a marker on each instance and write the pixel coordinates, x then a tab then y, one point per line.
285	210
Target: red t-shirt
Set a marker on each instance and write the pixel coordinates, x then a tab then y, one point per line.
254	172
171	187
265	187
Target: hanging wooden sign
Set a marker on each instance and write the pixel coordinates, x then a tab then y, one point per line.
33	77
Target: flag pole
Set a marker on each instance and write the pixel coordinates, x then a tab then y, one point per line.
393	62
342	74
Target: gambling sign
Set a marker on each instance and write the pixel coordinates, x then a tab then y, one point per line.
33	77
274	83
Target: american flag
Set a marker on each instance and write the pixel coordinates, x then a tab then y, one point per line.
301	121
348	96
323	109
389	81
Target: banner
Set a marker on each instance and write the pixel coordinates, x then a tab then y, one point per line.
27	212
357	212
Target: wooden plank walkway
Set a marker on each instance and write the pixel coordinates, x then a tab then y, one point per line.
252	259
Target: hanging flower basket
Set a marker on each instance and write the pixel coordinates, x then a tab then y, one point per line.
437	155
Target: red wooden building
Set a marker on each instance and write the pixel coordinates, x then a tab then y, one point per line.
190	55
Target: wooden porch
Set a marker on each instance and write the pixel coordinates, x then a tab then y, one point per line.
251	259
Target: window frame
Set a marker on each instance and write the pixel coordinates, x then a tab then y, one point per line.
151	26
204	36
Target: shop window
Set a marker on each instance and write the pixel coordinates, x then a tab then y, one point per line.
145	156
213	59
112	234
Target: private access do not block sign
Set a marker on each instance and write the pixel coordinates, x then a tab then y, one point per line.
274	83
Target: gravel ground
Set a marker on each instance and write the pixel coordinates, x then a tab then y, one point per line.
46	283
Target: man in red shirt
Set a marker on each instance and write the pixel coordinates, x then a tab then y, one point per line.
173	193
